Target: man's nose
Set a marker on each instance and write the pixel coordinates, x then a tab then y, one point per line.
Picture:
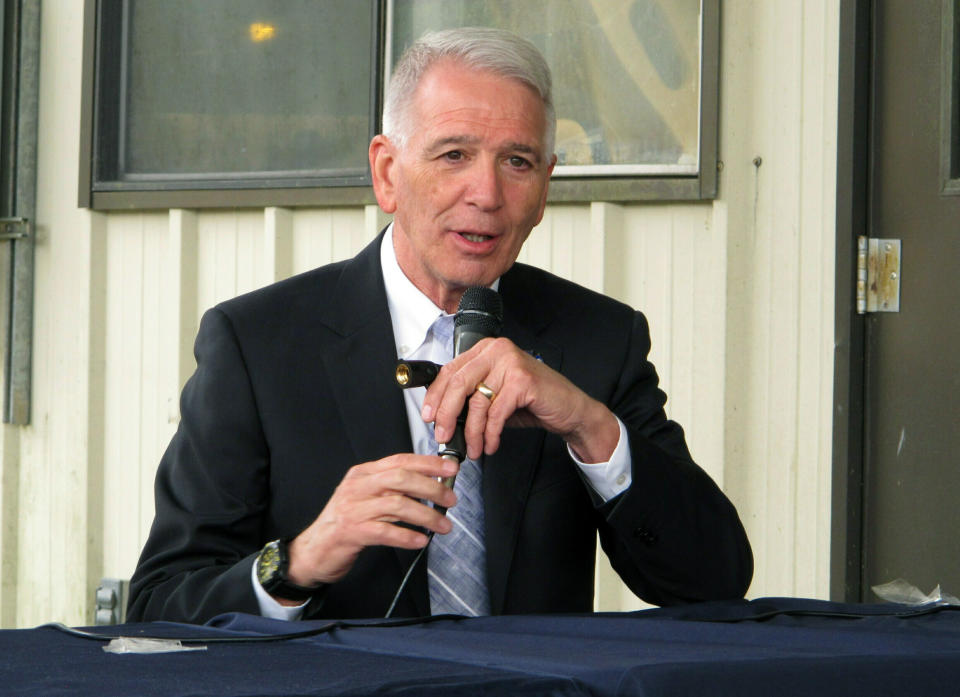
485	187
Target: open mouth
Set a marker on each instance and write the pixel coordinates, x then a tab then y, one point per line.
473	237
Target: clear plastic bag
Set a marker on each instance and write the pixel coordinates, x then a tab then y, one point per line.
125	644
899	591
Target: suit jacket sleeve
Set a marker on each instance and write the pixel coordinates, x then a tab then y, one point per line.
210	493
673	536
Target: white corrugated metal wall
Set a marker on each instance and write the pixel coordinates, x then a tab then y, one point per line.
738	291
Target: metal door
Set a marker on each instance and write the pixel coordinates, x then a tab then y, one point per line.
911	458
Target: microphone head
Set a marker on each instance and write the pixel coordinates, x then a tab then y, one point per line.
480	311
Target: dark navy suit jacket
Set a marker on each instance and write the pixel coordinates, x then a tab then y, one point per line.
294	385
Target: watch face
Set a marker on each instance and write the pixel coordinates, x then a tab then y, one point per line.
268	565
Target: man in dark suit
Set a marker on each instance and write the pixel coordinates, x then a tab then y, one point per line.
301	481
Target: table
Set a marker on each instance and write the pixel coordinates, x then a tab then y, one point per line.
769	646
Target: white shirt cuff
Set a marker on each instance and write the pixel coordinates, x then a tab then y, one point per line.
269	607
612	477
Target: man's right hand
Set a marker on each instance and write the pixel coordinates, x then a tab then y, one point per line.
362	512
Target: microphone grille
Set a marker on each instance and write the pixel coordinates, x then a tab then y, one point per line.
480	306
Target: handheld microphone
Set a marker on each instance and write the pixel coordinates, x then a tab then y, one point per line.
479	315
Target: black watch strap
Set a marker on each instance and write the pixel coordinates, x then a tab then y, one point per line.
271	568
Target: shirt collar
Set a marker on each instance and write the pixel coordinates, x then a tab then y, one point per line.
411	312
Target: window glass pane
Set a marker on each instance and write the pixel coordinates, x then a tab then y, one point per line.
626	73
244	87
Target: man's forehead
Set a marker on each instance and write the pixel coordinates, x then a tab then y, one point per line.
454	109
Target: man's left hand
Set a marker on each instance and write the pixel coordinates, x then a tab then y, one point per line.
527	393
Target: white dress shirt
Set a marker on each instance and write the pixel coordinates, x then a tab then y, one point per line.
412	314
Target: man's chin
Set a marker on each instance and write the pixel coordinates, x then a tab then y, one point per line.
464	282
478	275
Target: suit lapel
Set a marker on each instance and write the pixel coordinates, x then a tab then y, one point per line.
360	363
508	473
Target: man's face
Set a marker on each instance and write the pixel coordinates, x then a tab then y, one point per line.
470	182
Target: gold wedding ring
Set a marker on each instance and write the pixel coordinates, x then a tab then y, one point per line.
486	391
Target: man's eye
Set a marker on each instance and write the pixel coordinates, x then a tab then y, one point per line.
454	155
519	162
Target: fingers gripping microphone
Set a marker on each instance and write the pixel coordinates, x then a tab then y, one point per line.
479	315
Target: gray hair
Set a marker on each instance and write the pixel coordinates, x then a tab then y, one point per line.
480	48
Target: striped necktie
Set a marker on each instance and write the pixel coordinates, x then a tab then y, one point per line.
457	562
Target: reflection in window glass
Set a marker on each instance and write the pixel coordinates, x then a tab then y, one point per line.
626	73
245	87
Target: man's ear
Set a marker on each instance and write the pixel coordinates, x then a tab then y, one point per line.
383	162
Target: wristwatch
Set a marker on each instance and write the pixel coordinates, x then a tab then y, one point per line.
272	573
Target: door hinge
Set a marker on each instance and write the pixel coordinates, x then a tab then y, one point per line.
878	275
14	228
111	601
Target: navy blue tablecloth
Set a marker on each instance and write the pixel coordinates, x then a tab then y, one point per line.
772	646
